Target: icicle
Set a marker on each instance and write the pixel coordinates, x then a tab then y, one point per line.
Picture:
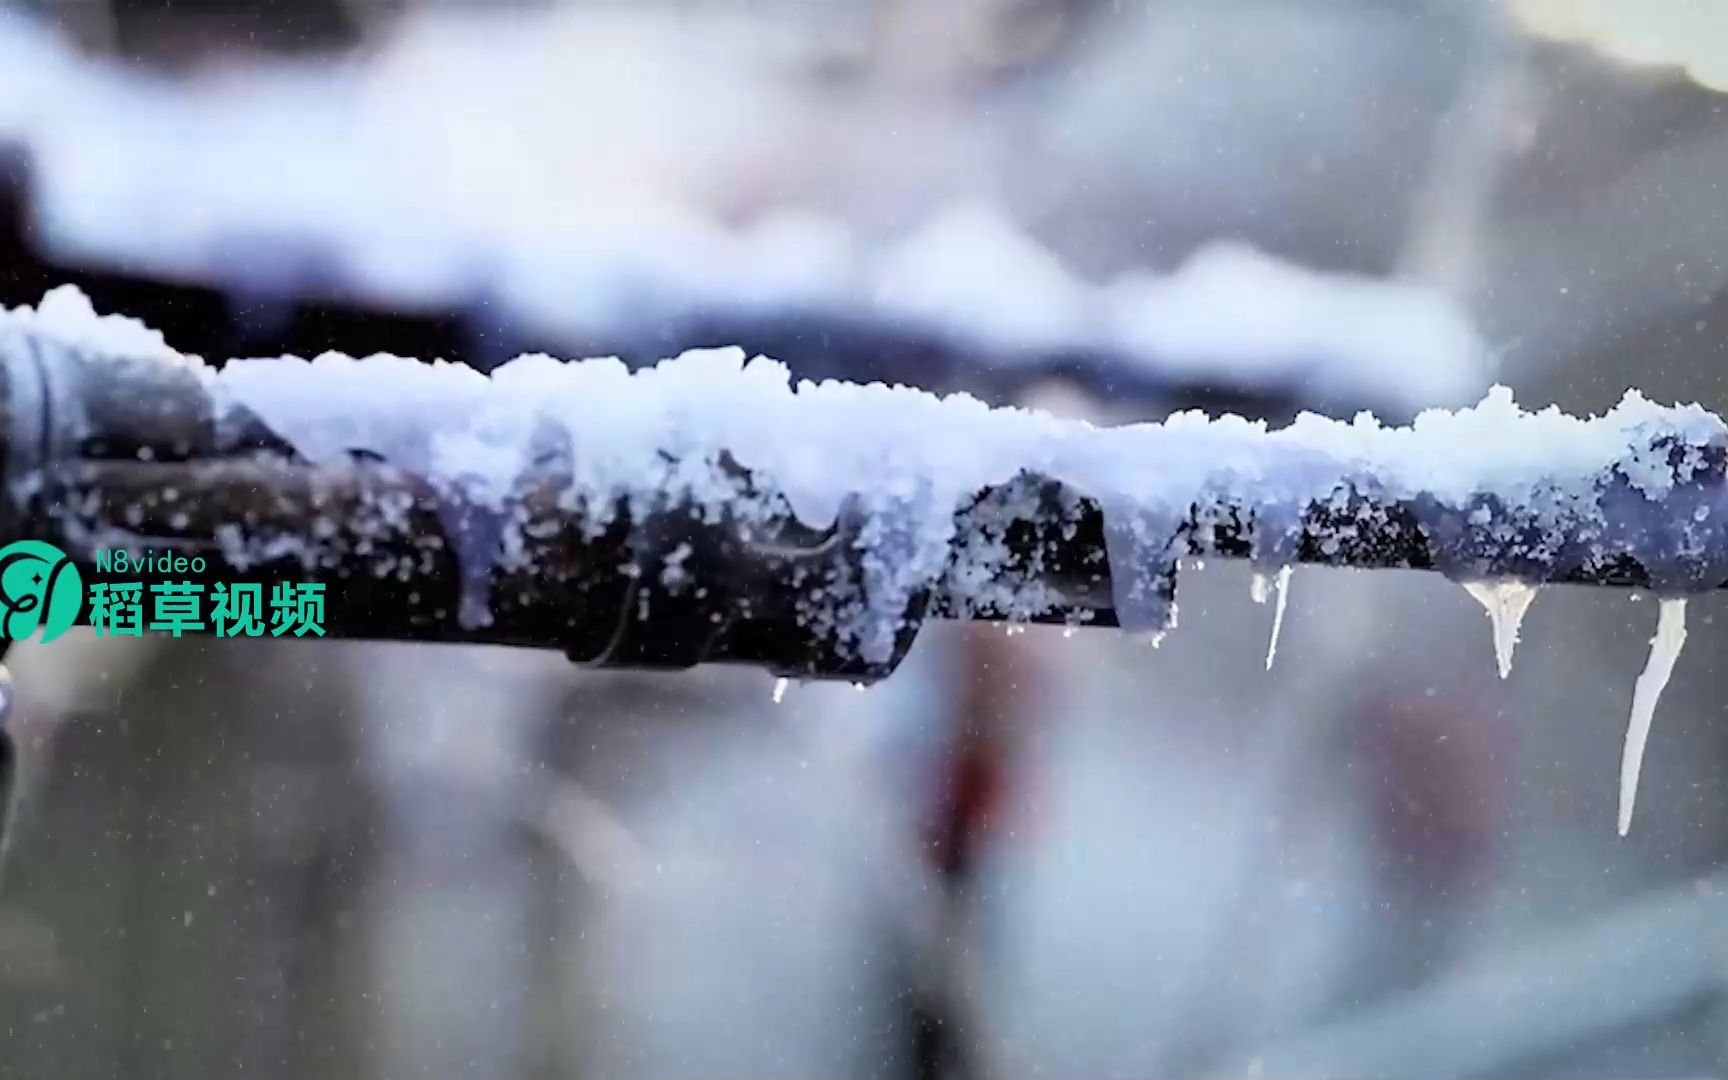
1506	603
1664	651
1280	582
1143	548
780	689
1276	541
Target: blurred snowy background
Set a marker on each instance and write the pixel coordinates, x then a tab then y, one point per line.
1021	856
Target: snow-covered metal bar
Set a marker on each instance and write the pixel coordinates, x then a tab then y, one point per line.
707	509
492	508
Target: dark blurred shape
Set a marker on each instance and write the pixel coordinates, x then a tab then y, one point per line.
178	33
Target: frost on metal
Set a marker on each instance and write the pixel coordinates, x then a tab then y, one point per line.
934	485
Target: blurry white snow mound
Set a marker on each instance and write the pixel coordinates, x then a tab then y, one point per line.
791	258
972	267
409	178
1231	307
1229	311
33	66
1689	34
410	174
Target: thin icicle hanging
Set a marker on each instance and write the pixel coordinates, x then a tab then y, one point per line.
1664	651
1506	602
780	689
1262	587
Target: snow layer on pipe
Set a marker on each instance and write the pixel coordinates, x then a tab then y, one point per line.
907	461
1230	307
1664	652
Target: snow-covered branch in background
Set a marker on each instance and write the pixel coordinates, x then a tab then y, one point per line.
918	504
317	178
